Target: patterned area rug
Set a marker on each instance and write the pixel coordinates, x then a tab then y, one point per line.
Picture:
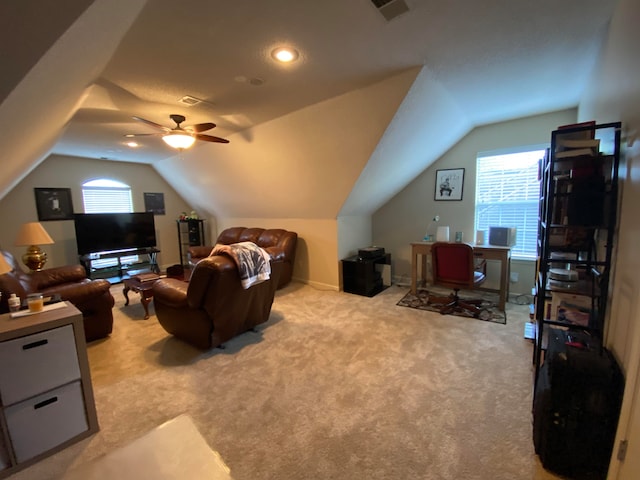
432	300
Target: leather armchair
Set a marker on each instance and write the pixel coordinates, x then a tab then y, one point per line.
92	297
281	245
213	307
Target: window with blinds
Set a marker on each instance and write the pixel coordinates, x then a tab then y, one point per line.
507	195
107	196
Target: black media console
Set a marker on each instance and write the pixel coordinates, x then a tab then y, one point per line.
147	260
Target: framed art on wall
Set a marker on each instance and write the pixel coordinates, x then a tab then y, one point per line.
449	184
54	204
154	202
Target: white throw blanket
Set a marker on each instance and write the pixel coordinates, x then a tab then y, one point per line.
253	262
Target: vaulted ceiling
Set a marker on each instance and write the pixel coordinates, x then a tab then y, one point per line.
369	104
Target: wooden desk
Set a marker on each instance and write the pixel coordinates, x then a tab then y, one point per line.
488	252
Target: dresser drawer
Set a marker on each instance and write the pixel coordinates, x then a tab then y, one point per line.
37	363
45	421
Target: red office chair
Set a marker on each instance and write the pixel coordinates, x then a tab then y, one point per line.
454	267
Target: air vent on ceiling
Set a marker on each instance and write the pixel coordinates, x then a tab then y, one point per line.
189	100
390	9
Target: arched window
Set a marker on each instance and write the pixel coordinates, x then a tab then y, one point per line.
106	196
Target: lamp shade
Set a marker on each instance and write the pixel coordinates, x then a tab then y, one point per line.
4	265
179	140
33	233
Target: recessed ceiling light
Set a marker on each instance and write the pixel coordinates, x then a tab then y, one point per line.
132	144
285	54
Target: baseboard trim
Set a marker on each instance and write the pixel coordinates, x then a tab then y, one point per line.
318	285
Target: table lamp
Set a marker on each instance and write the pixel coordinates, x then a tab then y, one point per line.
4	268
4	265
33	234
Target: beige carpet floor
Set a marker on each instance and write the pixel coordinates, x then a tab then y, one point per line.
334	386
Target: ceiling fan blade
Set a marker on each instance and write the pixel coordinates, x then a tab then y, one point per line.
152	124
202	127
211	138
131	135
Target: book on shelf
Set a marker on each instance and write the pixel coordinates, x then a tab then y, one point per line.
567	143
581	142
571	308
577	152
586	131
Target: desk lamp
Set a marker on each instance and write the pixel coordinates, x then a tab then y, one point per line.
430	236
33	234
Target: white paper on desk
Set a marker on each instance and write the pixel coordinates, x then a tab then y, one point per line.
46	308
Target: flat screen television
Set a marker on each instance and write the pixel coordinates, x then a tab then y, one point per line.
106	232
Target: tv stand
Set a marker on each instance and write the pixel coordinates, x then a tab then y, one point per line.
116	273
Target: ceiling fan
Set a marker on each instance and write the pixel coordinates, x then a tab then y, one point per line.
179	137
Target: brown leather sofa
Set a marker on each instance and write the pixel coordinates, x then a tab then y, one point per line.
213	307
91	297
281	245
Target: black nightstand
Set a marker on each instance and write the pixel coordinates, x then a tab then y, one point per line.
360	275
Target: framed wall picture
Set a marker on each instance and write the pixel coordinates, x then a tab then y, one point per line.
54	204
154	202
449	184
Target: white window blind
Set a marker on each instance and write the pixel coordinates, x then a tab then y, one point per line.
107	196
507	195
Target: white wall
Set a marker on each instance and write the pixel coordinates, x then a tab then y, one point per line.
51	91
405	218
614	95
354	232
413	141
300	165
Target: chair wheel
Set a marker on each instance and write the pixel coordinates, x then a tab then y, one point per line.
484	314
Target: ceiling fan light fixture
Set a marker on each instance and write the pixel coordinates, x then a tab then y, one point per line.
285	54
179	140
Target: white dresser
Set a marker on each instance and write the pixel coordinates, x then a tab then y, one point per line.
45	386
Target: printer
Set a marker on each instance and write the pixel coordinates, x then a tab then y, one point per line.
369	253
502	236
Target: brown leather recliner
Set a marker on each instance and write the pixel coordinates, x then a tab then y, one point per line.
213	307
281	245
91	297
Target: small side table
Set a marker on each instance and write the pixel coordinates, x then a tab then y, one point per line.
143	288
361	276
